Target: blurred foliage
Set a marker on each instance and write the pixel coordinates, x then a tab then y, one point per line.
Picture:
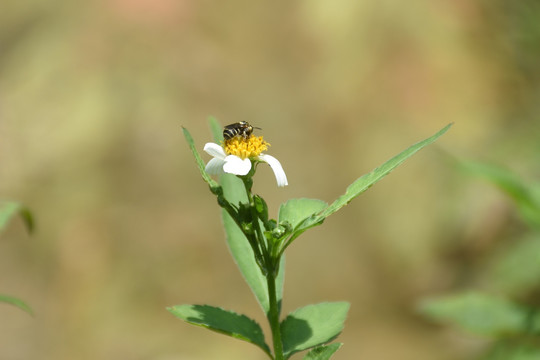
8	210
479	313
92	99
513	270
516	36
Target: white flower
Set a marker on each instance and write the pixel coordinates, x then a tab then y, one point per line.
233	164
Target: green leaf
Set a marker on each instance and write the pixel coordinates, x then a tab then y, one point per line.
241	251
305	219
512	350
323	352
243	256
533	321
16	302
214	187
9	209
222	321
524	195
366	181
295	211
301	214
312	325
478	313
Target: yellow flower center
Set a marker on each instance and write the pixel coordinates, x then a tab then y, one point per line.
251	147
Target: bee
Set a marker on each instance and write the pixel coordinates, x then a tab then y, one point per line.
242	128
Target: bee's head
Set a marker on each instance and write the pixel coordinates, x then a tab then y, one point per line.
247	127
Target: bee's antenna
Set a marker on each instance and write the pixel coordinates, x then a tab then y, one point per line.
255	127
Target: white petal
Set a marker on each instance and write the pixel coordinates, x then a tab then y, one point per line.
281	178
235	165
215	150
215	166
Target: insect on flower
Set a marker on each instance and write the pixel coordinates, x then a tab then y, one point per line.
240	151
242	128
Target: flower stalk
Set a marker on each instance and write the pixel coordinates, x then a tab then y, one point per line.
270	269
273	316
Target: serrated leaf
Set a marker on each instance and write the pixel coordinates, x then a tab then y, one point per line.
478	313
312	325
16	302
366	181
9	209
222	321
323	352
200	163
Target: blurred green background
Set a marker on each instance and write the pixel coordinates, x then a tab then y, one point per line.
92	99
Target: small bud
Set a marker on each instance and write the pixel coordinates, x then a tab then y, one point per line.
247	228
261	207
278	232
272	224
222	201
216	190
286	226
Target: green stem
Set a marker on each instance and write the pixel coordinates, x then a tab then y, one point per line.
273	316
272	265
256	225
